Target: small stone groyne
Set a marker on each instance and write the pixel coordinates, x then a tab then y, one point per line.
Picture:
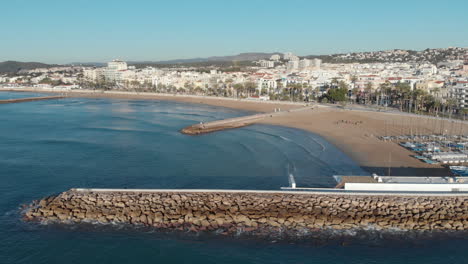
231	123
29	99
254	211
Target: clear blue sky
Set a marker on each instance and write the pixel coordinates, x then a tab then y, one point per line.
62	31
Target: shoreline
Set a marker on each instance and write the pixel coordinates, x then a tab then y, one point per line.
354	132
233	103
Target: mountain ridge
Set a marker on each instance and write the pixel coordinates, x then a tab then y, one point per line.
395	55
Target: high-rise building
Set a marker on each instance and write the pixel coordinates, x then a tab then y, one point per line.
287	55
304	63
317	63
117	65
293	65
294	58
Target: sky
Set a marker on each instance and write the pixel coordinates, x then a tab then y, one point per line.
65	31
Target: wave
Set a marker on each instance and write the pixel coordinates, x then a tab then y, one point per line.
185	114
64	142
119	129
249	149
316	141
266	133
368	236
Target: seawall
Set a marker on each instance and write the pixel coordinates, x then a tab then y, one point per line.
254	211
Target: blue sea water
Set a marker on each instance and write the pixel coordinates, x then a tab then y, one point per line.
16	95
47	147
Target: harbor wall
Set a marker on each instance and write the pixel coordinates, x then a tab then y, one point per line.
230	211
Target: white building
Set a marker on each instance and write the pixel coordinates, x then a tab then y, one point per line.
294	58
292	65
460	93
275	57
117	65
267	64
267	83
114	71
317	63
287	55
304	63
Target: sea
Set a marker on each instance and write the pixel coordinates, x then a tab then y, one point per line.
47	147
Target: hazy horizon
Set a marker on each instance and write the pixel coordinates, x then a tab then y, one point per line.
218	55
85	31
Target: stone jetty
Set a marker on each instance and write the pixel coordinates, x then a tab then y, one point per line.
236	122
29	99
255	211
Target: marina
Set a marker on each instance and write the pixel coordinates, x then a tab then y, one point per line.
434	149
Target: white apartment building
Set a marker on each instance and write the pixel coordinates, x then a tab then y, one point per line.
317	63
294	58
275	57
305	63
267	64
287	55
267	83
292	65
117	65
460	93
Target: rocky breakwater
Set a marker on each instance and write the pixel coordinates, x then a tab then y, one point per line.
30	99
228	212
230	123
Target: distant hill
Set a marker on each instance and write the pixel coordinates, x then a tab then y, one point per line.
397	55
16	66
202	65
251	56
89	64
235	62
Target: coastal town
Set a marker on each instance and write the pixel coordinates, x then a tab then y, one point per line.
434	81
253	132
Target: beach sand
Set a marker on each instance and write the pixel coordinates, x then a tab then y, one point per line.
352	131
356	134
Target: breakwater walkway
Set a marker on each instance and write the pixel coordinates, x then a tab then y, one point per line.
236	122
259	212
29	99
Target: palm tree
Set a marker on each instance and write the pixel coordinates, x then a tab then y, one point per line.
416	99
451	103
239	88
403	90
368	90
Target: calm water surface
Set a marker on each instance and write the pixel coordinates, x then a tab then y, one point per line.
47	147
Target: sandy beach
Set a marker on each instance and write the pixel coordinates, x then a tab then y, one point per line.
354	132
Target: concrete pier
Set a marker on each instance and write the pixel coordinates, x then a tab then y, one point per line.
29	99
